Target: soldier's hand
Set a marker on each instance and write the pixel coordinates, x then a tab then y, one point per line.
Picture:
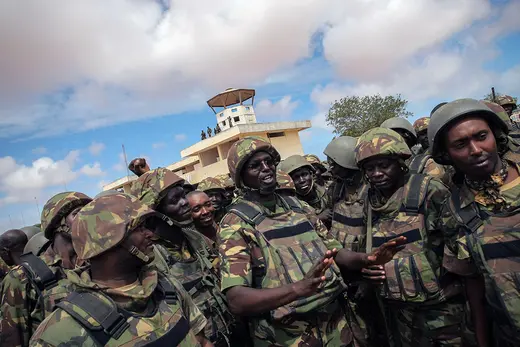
384	253
325	216
315	276
374	274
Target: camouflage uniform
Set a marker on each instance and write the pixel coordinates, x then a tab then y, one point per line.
481	226
4	269
213	184
285	183
155	310
192	262
253	255
424	310
27	297
317	165
419	125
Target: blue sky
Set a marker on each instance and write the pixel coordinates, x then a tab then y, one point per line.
80	81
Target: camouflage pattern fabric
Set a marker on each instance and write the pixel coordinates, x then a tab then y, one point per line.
226	181
244	149
244	253
419	262
499	110
153	186
57	208
4	269
21	303
472	251
285	182
146	324
210	183
421	124
315	161
106	222
431	168
317	198
506	100
379	142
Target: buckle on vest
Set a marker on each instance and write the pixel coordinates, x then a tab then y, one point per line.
115	324
474	222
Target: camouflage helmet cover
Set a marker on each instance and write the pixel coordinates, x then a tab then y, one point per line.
105	222
153	186
421	124
37	244
284	181
106	192
341	150
315	161
59	206
399	123
506	100
452	111
242	150
226	181
499	110
293	163
210	183
381	142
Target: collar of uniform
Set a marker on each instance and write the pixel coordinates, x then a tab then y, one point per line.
50	257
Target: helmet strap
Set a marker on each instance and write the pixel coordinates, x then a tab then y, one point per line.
137	253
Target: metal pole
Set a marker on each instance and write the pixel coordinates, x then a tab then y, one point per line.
126	161
493	94
37	206
23	219
11	220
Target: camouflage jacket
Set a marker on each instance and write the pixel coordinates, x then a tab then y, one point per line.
149	316
320	201
4	269
431	168
21	305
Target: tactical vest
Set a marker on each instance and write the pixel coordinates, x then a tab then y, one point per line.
200	279
413	275
418	163
494	240
348	223
107	324
292	247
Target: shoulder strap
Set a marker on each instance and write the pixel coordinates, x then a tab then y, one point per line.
168	289
417	189
470	214
39	273
248	213
418	163
87	306
293	204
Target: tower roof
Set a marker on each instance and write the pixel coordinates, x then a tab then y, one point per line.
231	96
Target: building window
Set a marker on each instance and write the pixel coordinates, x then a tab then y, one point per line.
236	119
280	134
234	110
247	108
223	123
221	114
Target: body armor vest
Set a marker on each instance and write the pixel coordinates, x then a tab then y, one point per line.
418	163
348	223
292	246
494	240
109	325
413	275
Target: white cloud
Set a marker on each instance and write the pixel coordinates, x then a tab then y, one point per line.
96	148
39	150
92	170
158	145
281	109
180	137
120	165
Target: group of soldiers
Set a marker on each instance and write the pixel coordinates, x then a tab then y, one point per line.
216	131
407	236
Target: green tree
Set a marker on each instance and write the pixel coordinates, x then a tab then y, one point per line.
353	115
489	96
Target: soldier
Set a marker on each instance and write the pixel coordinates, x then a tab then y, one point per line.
203	214
318	166
514	131
349	228
119	301
37	244
12	243
421	163
202	135
285	184
209	131
26	297
421	129
482	216
307	190
424	310
229	187
139	166
213	187
508	103
275	258
186	251
31	230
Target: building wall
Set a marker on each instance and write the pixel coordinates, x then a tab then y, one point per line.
287	145
208	157
239	114
224	148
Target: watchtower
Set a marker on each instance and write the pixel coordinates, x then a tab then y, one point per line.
230	109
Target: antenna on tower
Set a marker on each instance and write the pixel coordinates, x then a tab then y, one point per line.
126	161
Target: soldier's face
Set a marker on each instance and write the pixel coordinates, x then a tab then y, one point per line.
202	210
229	194
383	173
302	179
71	216
259	172
472	147
422	138
142	239
410	140
508	109
216	199
175	205
337	170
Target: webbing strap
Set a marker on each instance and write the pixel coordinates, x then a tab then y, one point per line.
39	273
418	163
416	193
170	294
248	213
469	215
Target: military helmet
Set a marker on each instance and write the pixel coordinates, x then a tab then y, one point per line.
453	111
106	193
31	230
400	123
315	162
341	150
226	181
421	124
284	181
105	222
506	100
293	163
37	244
59	206
210	183
381	142
153	186
499	110
242	150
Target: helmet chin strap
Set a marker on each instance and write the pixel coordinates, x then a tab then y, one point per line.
137	253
